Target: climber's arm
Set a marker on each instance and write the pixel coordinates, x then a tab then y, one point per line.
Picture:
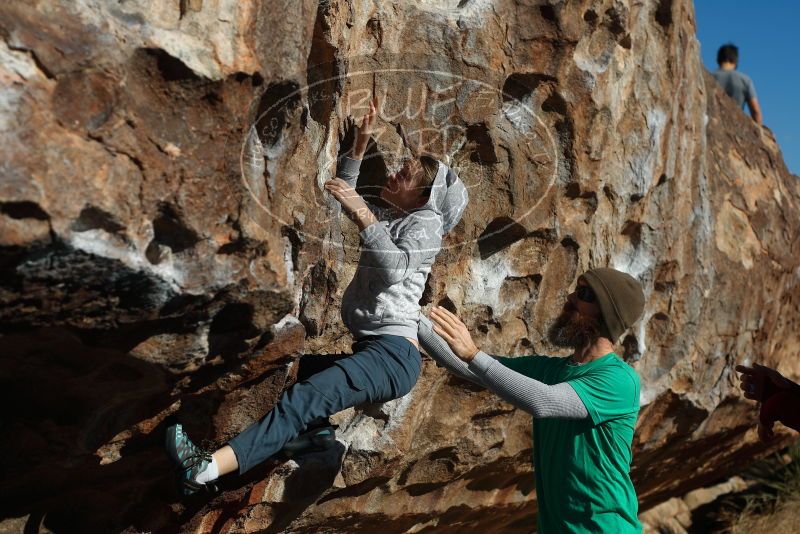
350	164
365	130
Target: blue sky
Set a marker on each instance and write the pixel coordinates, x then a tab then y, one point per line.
768	38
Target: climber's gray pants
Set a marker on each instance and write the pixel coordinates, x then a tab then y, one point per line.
380	369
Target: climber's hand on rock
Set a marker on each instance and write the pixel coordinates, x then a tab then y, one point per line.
350	200
365	130
454	332
352	203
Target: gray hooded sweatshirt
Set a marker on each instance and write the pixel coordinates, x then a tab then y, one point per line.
396	257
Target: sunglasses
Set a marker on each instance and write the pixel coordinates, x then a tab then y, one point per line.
585	294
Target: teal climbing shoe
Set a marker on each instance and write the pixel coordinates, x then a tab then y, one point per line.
189	460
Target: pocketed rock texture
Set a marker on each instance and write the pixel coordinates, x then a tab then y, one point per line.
168	252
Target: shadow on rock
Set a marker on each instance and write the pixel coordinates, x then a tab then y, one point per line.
67	405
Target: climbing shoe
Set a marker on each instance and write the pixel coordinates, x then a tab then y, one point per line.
189	460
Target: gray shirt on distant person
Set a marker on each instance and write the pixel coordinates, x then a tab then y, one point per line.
738	86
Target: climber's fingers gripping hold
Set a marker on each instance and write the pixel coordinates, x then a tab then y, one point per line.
368	122
350	200
366	129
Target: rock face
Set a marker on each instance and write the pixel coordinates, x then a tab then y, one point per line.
168	252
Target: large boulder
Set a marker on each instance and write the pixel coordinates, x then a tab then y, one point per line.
167	251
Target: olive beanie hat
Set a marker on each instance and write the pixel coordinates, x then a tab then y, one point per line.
619	296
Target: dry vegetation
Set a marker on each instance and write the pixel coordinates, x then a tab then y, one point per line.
773	504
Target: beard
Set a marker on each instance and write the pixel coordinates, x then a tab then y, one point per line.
573	330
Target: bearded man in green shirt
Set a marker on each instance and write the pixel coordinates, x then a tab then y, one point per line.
584	406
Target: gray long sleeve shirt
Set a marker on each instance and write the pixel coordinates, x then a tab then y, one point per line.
396	257
538	399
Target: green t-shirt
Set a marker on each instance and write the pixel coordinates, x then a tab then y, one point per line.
582	467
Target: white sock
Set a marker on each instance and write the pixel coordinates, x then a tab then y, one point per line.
209	474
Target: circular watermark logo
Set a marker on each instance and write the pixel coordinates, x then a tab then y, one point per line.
492	144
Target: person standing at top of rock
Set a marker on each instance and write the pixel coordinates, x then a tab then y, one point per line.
779	398
584	406
380	307
737	85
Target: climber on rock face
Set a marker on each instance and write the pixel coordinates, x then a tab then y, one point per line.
737	85
584	406
380	307
779	398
